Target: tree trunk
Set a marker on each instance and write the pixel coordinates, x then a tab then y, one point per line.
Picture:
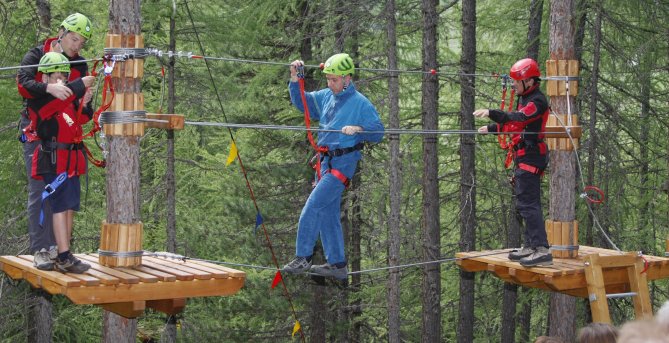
536	12
431	287
169	334
40	324
394	182
562	163
467	168
123	163
44	16
510	295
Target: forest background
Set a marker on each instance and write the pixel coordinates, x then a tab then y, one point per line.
624	151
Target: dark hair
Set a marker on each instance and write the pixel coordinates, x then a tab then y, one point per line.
597	333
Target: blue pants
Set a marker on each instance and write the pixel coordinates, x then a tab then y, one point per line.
527	187
321	216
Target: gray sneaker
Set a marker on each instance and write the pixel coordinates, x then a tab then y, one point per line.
331	271
42	260
53	252
72	265
517	254
298	265
540	257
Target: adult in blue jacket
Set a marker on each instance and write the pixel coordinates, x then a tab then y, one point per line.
349	119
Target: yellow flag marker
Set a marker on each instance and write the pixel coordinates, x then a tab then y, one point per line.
296	328
233	154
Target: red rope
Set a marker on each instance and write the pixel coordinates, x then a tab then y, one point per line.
307	123
599	192
502	138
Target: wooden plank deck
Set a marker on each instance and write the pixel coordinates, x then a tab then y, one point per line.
565	275
160	283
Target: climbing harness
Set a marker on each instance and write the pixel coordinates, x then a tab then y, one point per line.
513	144
322	151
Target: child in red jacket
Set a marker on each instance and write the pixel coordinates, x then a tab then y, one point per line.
59	159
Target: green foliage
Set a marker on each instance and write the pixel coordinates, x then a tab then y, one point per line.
216	216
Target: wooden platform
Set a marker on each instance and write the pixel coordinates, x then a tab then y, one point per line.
159	283
564	276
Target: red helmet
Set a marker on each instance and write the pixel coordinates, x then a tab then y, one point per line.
525	69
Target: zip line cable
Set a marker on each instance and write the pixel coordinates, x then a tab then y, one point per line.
173	256
303	128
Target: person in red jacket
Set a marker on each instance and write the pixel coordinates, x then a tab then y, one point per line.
58	159
530	155
74	31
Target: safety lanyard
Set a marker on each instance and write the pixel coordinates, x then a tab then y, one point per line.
50	189
307	123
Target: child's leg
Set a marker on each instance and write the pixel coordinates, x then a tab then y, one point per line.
70	223
61	231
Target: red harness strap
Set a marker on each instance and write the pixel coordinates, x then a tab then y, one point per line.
532	169
340	176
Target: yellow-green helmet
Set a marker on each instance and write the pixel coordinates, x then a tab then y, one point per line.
339	64
53	62
78	23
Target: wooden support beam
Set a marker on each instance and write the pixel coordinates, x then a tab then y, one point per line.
173	121
501	272
11	271
557	138
561	132
472	265
562	68
131	309
523	276
167	306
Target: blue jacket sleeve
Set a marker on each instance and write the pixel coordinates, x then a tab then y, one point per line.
313	100
371	122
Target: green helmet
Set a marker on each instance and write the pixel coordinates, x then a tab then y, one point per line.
78	23
54	62
339	64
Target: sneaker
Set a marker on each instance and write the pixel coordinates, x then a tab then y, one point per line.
42	260
298	265
331	271
53	253
540	257
72	265
517	254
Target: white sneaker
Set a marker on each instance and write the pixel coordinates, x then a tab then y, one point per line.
42	260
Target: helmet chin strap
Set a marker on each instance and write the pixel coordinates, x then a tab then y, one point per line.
59	41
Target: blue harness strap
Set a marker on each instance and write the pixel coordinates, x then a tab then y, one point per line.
48	190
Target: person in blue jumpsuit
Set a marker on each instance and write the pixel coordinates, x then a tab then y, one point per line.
350	120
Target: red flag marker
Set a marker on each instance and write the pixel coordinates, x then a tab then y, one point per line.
433	71
322	66
277	279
